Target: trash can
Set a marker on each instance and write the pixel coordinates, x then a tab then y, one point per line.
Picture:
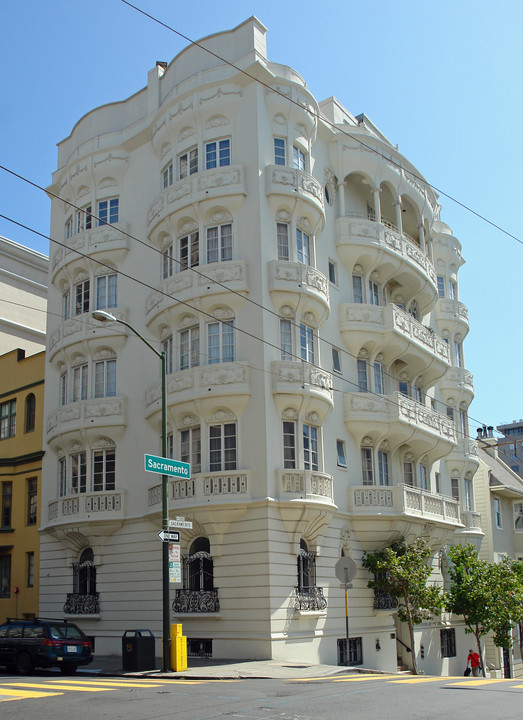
138	650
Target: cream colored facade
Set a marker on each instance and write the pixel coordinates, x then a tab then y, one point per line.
298	274
23	297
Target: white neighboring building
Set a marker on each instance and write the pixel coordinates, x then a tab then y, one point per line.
306	292
23	297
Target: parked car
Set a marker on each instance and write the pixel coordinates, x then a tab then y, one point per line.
26	644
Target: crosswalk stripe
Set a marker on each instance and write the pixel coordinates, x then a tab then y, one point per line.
110	684
474	682
72	688
416	679
19	694
365	678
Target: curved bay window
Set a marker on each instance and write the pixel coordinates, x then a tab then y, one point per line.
198	594
307	595
84	598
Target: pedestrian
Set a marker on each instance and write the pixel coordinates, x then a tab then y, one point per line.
474	661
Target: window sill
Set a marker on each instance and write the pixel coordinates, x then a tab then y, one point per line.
310	613
84	616
197	615
7	530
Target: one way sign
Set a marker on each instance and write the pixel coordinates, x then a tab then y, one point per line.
169	536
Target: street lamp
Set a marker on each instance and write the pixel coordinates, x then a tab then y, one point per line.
104	316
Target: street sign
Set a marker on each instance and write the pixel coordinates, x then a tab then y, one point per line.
169	536
165	466
175	564
180	522
345	569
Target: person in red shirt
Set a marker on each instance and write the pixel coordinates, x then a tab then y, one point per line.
474	661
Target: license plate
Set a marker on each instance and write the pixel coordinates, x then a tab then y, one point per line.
71	648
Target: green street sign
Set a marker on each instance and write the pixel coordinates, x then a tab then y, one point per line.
165	466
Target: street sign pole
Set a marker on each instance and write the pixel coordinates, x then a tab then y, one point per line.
166	610
345	571
347	614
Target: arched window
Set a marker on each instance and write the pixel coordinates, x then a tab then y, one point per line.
306	567
199	566
30	412
84	574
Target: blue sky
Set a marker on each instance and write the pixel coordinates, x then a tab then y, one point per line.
442	80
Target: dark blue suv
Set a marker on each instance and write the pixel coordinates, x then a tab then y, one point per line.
26	644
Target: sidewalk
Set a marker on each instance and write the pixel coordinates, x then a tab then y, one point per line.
210	668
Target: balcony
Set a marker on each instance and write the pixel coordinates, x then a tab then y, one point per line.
220	487
301	379
401	420
396	334
309	599
457	383
380	246
213	283
383	601
104	242
87	507
307	485
227	181
89	417
82	329
380	513
463	458
296	185
453	316
472	532
78	604
196	601
296	284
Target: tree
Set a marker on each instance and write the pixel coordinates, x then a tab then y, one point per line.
402	571
489	596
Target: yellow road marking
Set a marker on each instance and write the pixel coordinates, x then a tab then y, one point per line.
108	683
19	694
77	688
359	676
475	681
422	679
365	678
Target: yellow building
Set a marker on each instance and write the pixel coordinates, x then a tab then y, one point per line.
21	429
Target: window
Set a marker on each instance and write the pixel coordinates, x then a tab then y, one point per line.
84	219
448	642
167	176
220	342
303	246
408	473
7	419
198	566
188	163
170	446
32	488
81	292
336	360
286	339
191	448
80	375
84	573
104	470
383	467
518	516
282	234
78	473
222	447
189	344
463	423
310	447
467	494
437	481
497	513
289	444
62	477
279	151
65	305
374	293
63	389
299	158
69	228
357	288
418	394
105	378
458	354
363	383
366	466
306	562
106	291
423	478
5	576
190	250
167	262
30	565
30	413
7	504
306	343
167	348
453	290
217	154
378	377
340	452
219	243
333	273
454	488
355	651
403	387
108	211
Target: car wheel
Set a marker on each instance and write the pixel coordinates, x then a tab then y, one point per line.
68	669
24	664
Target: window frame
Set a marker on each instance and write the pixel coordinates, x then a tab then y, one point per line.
220	343
103	469
219	434
82	297
289	444
106	291
189	250
30	413
104	378
6	517
191	447
32	501
448	642
108	211
367	466
80	382
282	241
220	156
218	243
8	419
189	347
341	455
187	163
311	447
280	150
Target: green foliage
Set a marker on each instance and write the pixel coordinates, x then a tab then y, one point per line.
489	596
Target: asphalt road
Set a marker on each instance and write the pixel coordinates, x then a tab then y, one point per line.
356	697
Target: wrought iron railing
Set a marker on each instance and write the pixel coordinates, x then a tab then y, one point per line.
196	601
384	601
309	598
78	604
